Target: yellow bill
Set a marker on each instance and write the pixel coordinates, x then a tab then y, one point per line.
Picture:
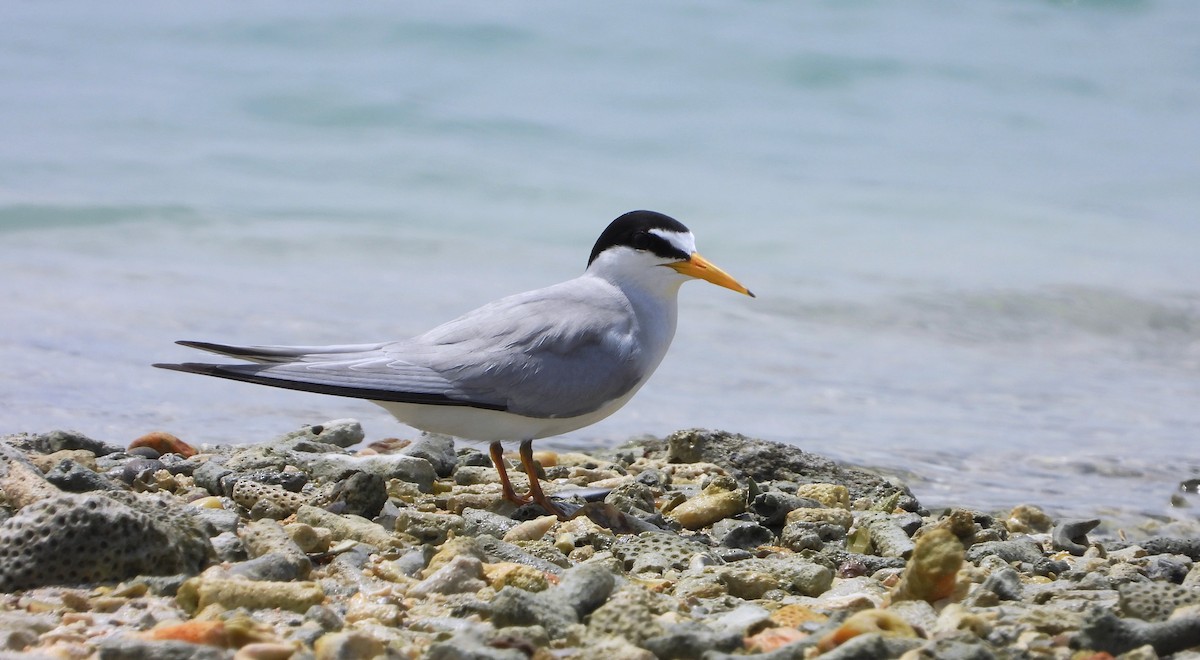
701	268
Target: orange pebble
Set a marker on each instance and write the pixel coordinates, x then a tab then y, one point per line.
866	621
773	638
164	443
212	633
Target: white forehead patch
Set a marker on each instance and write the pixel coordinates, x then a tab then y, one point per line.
682	240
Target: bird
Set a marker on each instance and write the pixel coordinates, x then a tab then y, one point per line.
524	367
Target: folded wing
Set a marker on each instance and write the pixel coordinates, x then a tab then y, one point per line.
557	352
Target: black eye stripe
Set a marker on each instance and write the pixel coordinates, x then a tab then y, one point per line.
658	245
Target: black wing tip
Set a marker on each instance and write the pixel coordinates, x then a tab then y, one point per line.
251	373
212	347
188	367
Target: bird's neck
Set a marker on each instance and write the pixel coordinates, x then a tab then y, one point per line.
654	298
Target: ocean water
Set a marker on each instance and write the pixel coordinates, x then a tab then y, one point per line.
972	227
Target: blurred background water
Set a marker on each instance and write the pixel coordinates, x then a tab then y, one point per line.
972	226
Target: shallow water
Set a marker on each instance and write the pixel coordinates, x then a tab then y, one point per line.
972	228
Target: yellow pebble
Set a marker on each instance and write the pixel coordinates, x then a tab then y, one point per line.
211	502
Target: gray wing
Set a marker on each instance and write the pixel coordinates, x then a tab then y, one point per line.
557	352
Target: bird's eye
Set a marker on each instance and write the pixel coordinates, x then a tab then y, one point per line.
641	241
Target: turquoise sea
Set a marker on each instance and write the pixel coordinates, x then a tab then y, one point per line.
972	226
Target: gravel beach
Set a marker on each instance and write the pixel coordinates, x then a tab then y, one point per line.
704	544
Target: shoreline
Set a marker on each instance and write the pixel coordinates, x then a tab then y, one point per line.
707	543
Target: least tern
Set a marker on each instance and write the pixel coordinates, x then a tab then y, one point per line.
528	366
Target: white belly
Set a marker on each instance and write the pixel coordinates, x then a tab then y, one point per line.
494	425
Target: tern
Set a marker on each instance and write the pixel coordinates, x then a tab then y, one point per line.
528	366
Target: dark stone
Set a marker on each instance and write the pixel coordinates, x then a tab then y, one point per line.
692	641
273	567
469	457
581	590
773	506
131	648
1105	631
1005	583
833	557
212	476
437	449
290	480
326	618
1071	535
1163	569
1021	548
1171	545
361	494
143	452
75	478
140	469
48	443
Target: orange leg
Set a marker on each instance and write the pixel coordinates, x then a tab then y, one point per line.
535	487
497	452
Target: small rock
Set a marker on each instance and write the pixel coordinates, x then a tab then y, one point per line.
531	530
277	557
76	478
835	496
164	443
360	494
459	546
1155	601
522	577
629	614
437	449
125	647
581	590
1071	535
48	443
337	432
712	504
266	651
741	534
692	641
675	551
1028	519
1005	583
773	506
308	538
1020	549
866	622
1168	545
1104	631
931	572
267	501
888	538
347	527
480	522
462	574
347	646
200	592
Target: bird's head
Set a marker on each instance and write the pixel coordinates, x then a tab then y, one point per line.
647	244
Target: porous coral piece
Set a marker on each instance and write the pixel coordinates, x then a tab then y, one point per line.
250	494
73	539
